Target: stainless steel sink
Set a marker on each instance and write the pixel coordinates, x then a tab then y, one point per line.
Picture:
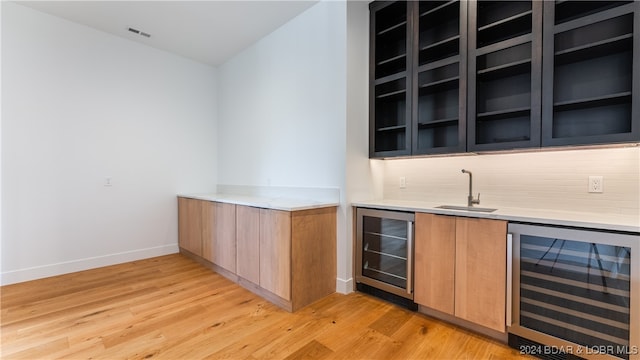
465	208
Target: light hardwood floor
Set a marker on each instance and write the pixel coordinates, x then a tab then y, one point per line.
170	307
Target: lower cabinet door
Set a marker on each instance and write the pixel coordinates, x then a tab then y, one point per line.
435	259
275	252
224	229
208	218
248	243
461	268
189	225
481	272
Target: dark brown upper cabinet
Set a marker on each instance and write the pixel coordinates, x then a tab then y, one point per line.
417	77
591	72
505	74
390	78
478	75
439	94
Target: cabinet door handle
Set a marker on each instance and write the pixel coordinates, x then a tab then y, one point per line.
409	257
509	279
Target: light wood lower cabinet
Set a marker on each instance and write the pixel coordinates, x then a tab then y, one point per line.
208	218
298	255
248	243
435	262
481	271
288	257
190	225
224	236
461	268
207	229
275	252
313	255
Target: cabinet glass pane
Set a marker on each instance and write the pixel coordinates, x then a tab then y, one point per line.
587	121
502	94
439	78
391	40
390	116
438	105
577	291
502	20
570	10
437	136
506	77
384	255
504	128
439	36
593	77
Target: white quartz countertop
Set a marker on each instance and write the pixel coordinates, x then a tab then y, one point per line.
275	203
615	222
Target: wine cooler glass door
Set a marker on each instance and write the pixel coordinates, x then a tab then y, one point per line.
578	286
385	242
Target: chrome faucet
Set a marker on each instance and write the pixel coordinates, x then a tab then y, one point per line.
470	199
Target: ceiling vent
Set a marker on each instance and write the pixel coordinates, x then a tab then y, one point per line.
141	33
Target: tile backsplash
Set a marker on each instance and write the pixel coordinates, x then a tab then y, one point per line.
541	180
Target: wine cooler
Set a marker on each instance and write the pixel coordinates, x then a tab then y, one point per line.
384	258
575	293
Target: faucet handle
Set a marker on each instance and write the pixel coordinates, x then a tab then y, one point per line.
476	201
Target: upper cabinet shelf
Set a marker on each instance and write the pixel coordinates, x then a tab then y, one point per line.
398	26
508	69
390	78
592	87
569	10
439	102
437	7
594	49
496	21
504	75
480	75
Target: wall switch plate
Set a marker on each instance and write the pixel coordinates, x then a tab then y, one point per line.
108	181
596	184
403	182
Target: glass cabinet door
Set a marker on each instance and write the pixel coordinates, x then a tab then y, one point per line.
384	245
385	248
577	291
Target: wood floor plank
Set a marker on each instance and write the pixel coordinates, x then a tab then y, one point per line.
171	307
40	351
391	321
367	343
313	350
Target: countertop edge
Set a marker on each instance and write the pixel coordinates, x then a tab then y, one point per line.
514	216
284	204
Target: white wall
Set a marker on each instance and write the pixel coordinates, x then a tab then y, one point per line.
282	118
538	180
1	144
80	105
282	105
364	177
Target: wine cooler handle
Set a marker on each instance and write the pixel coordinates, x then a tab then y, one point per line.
409	257
509	279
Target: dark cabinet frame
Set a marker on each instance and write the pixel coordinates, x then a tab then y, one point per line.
627	101
506	114
375	98
553	118
447	135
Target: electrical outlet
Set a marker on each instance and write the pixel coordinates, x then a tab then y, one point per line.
403	182
596	184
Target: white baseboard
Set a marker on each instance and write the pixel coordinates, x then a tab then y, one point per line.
344	286
44	271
